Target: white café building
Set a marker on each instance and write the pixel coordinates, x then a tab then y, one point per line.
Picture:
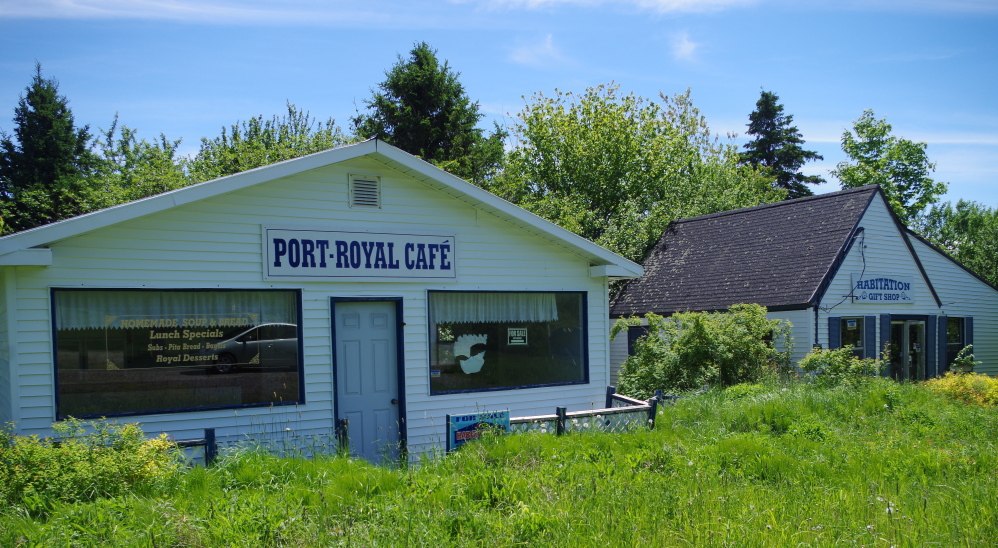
358	283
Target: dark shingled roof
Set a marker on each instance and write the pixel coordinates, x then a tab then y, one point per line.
777	255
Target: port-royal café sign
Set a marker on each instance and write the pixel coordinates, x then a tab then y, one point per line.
291	253
877	288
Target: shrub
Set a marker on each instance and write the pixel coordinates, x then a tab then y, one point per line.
79	466
839	367
690	349
965	360
970	388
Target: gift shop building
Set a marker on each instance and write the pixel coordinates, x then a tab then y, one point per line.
839	266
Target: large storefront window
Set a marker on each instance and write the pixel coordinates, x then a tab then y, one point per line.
495	341
143	351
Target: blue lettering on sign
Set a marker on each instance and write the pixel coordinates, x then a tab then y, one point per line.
444	263
354	254
307	252
421	257
393	263
280	249
368	249
409	264
323	245
379	255
341	254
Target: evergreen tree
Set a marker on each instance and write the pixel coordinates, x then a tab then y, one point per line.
422	108
45	169
777	147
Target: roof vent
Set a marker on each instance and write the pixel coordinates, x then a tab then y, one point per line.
365	191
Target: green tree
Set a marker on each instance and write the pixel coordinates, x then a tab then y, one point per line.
46	168
259	142
423	109
132	169
689	349
901	167
617	168
968	232
777	147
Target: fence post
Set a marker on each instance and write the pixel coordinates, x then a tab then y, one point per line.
560	411
610	391
210	449
658	395
342	434
653	411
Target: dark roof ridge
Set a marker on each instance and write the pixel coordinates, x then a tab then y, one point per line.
750	209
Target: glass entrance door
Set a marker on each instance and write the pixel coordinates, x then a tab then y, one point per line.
908	350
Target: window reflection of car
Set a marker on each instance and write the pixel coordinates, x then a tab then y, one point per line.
267	345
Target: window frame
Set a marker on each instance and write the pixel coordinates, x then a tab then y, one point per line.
962	322
53	329
858	350
583	318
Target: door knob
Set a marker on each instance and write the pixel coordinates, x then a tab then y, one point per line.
395	401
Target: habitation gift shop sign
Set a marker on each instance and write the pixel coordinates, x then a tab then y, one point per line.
291	253
882	289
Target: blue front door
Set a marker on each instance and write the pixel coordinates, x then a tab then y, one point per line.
367	377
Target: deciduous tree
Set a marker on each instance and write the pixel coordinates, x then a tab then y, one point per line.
968	232
617	168
901	167
259	142
777	147
422	108
132	169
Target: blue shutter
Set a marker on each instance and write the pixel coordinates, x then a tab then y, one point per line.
834	332
941	365
885	339
870	336
968	331
930	344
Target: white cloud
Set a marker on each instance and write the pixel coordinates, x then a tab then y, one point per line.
683	49
538	54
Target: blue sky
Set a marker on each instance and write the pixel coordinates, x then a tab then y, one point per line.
186	68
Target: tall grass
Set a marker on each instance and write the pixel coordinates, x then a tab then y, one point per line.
879	465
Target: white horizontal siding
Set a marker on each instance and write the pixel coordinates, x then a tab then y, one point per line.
963	295
885	253
6	411
801	329
879	250
217	243
618	355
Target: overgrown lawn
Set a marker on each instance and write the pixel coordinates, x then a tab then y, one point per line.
879	465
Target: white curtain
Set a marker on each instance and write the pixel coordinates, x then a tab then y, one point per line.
99	309
457	307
